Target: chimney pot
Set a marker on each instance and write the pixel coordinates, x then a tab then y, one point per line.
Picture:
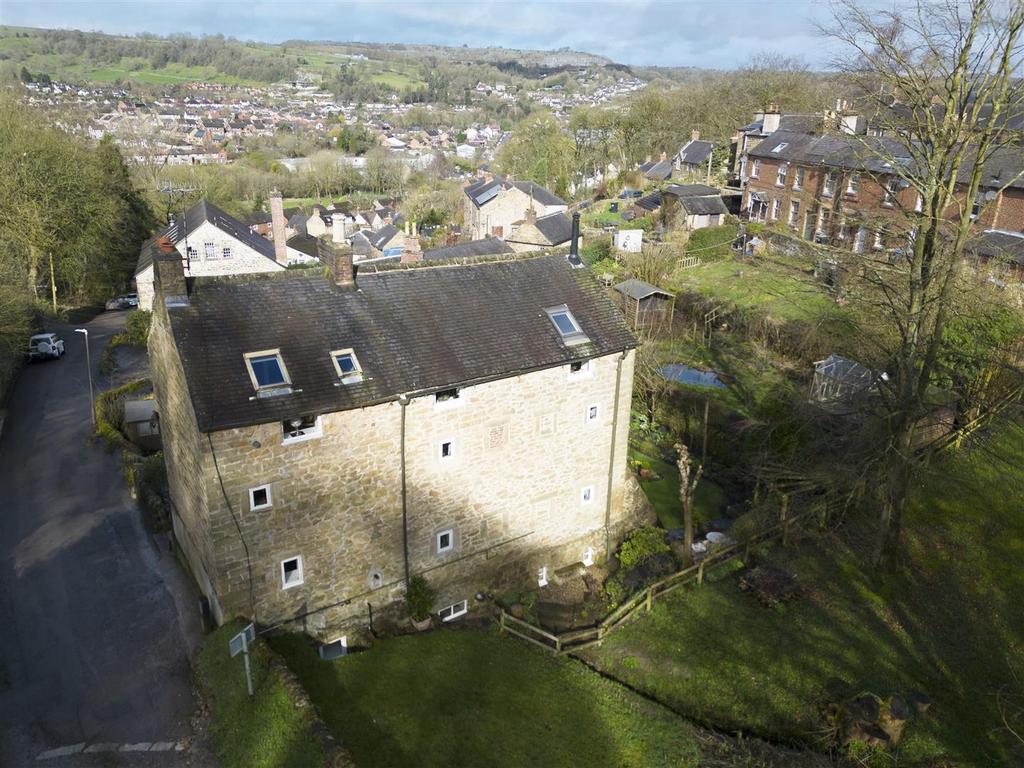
694	135
664	157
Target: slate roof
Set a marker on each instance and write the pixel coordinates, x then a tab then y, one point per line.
482	192
999	245
556	228
304	243
691	190
382	236
413	330
539	193
205	211
651	202
659	170
488	246
639	290
865	153
695	152
703	206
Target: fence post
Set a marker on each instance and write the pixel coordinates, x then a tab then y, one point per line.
647	600
700	574
784	518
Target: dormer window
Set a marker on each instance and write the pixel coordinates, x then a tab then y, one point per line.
566	325
346	365
267	372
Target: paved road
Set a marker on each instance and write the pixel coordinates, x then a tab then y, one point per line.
96	623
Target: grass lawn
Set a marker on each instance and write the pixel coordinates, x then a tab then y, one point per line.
599	215
264	732
663	491
783	293
950	623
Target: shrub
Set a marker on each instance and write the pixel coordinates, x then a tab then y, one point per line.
641	545
596	251
136	327
153	493
419	597
712	243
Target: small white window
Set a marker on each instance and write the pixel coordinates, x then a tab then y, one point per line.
225	252
447	399
776	207
780	179
566	325
794	212
581	369
210	250
830	184
853	184
781	146
346	365
446	450
259	498
301	428
445	541
593	414
267	370
587	495
588	557
755	169
191	253
542	577
454	611
798	178
878	245
291	572
919	204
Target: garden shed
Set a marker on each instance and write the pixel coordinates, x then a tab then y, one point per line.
644	304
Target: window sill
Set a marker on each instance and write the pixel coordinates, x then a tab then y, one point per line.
293	584
274	392
312	434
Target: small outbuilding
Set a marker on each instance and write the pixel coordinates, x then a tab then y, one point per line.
645	304
838	382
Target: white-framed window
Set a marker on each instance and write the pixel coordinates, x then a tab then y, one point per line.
347	366
446	450
593	413
779	147
780	178
447	399
260	498
798	177
460	608
755	169
301	428
794	212
542	577
776	207
566	325
587	494
267	370
225	252
291	572
829	186
853	183
859	240
581	369
191	253
891	188
334	648
877	244
919	204
210	249
588	557
444	541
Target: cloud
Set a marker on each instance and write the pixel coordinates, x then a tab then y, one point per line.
682	33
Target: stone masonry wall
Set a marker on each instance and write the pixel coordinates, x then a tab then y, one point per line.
523	450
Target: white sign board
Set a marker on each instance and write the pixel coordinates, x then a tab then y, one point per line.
242	641
629	240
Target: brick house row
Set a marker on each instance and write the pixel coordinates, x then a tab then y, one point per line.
846	190
327	436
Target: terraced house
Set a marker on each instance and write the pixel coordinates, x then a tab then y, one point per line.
844	190
331	433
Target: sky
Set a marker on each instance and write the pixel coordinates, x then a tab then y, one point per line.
699	33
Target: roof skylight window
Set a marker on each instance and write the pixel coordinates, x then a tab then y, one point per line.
346	365
566	325
780	147
267	370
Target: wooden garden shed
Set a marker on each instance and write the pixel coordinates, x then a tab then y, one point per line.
645	305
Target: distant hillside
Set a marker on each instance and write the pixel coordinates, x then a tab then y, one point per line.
94	57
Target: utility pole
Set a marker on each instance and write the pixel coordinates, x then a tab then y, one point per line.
88	368
170	190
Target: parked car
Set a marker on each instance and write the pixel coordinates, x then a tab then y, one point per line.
126	301
132	298
45	346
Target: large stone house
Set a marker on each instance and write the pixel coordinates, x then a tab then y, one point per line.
328	437
497	206
210	242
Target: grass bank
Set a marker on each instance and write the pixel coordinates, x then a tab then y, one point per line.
266	731
950	623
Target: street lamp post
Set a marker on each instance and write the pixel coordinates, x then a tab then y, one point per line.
88	368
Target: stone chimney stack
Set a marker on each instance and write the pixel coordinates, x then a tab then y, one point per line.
531	214
169	279
338	259
664	157
338	227
277	228
772	119
694	135
412	251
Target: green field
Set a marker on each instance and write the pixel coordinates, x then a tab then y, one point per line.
950	623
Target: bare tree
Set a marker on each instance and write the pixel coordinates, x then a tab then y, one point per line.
688	482
939	79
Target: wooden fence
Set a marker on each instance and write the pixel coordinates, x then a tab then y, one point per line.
578	639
